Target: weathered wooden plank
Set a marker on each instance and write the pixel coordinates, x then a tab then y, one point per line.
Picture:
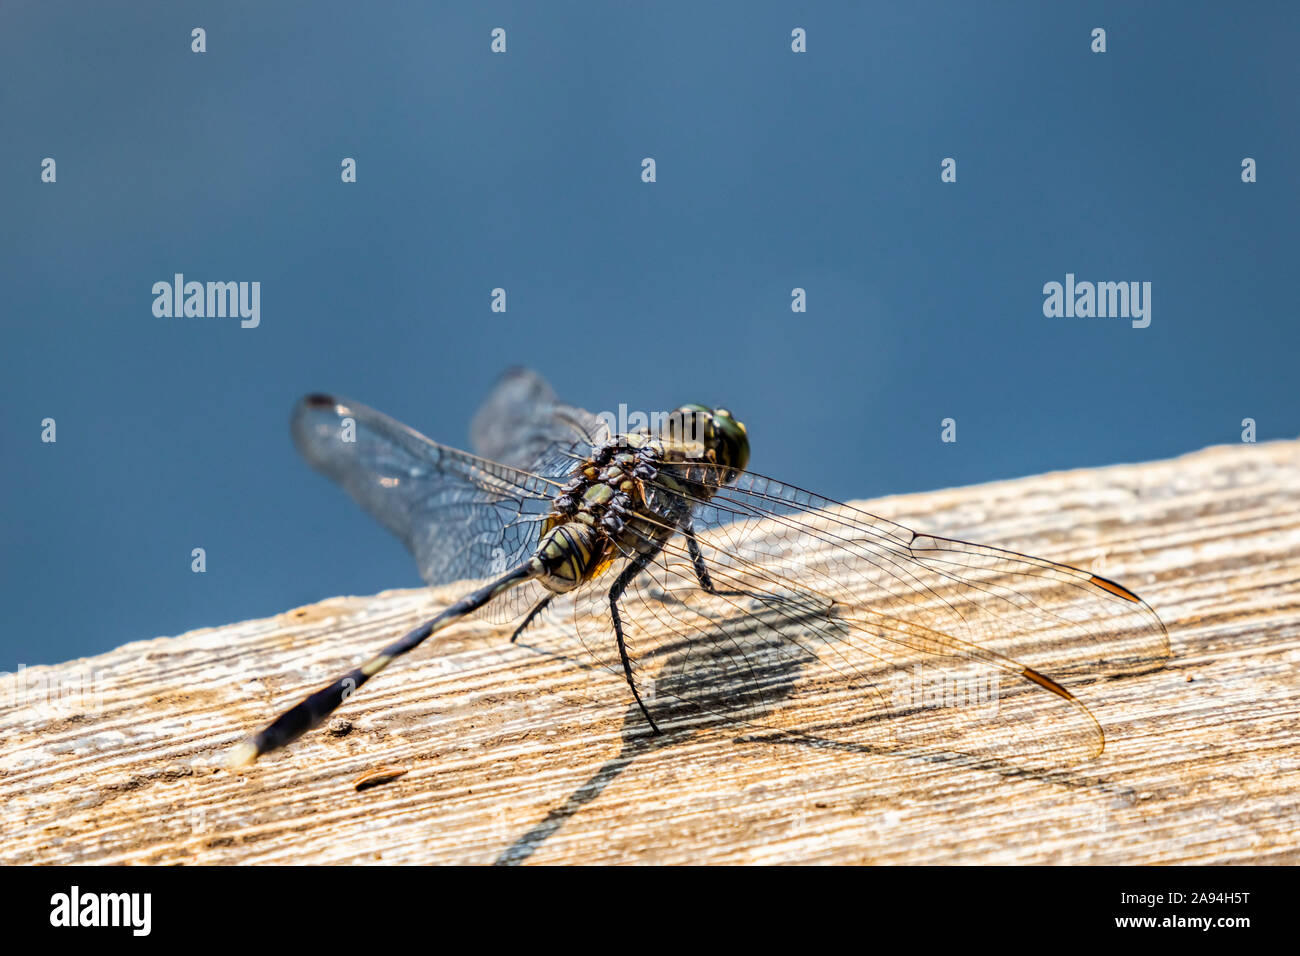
515	754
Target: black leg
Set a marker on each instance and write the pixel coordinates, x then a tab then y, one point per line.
635	567
529	619
702	569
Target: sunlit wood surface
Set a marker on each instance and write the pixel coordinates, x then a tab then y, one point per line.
521	754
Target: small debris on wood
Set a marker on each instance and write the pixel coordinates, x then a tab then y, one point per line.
379	776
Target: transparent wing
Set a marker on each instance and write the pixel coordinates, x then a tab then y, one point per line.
833	622
1081	625
460	516
524	424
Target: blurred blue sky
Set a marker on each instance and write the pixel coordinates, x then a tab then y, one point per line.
522	170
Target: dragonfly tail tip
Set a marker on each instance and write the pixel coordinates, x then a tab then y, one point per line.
242	755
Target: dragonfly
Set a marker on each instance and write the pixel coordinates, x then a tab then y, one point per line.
717	594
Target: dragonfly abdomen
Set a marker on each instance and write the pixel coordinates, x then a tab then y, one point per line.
569	554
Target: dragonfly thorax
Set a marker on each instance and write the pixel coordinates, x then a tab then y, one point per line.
589	517
614	504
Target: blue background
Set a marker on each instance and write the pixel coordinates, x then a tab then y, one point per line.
522	170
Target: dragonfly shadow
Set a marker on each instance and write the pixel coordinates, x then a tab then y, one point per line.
688	699
636	741
714	706
1066	778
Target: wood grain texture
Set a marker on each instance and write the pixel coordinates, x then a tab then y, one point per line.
474	751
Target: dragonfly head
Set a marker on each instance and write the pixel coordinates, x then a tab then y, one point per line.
719	433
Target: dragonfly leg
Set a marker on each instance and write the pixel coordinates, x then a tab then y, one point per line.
702	569
529	619
635	567
697	559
